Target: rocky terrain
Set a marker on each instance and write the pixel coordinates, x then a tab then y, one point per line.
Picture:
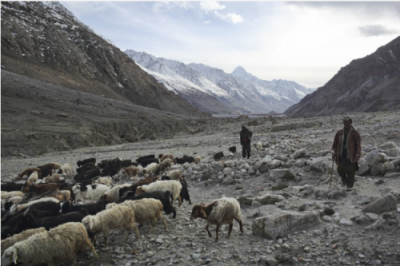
291	216
365	85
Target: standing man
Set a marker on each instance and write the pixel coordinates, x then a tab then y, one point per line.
346	151
245	139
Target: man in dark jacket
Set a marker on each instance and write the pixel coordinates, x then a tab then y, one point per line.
346	151
245	139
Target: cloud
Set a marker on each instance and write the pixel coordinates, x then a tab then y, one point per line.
207	21
376	30
230	17
211	6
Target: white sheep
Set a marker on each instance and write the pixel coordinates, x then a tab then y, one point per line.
259	146
151	168
112	195
89	192
32	178
173	186
221	211
8	242
104	221
58	245
9	194
166	156
146	211
20	207
65	169
105	180
197	159
175	174
16	199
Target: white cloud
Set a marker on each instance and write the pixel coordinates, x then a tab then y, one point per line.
207	21
376	30
211	6
230	17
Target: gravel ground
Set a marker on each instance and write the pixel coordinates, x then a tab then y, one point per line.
332	242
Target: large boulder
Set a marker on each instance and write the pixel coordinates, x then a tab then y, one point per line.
282	223
386	167
269	199
374	158
385	203
322	164
363	168
284	174
299	153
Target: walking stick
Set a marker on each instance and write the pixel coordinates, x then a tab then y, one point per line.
330	181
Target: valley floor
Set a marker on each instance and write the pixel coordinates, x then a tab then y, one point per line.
334	241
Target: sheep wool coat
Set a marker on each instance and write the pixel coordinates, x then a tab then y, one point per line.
353	145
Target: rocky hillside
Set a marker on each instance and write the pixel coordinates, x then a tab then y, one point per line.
368	84
44	41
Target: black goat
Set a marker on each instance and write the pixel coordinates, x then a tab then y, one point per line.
218	156
232	149
91	208
146	161
86	161
11	187
29	221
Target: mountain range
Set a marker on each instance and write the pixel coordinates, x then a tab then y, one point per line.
367	84
212	90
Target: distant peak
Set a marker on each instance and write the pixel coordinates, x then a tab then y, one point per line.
239	69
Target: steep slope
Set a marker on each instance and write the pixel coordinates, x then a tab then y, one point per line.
368	84
44	41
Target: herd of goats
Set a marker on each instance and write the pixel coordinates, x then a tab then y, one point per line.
50	213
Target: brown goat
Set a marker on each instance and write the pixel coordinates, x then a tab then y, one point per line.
130	171
28	172
55	178
37	189
48	169
162	157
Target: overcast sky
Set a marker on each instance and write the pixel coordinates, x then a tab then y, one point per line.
306	42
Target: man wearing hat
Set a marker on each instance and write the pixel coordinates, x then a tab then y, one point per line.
245	139
346	151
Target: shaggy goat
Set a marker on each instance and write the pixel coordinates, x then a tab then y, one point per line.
173	186
221	211
8	242
60	244
104	221
146	211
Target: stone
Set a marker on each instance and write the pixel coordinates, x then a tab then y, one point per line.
284	174
373	158
251	171
280	186
362	219
363	168
299	153
386	167
372	216
268	261
280	224
269	199
375	170
245	200
345	221
385	203
329	211
274	164
326	218
322	164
